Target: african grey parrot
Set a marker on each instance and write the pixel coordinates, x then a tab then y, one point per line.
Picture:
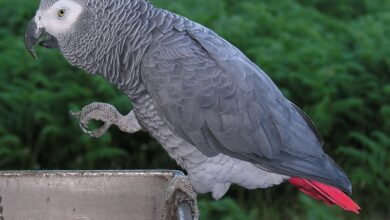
212	109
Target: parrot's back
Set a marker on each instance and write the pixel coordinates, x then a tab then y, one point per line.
212	96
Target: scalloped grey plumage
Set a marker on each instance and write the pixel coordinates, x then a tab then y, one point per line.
210	107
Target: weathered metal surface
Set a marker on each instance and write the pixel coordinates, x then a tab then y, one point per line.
94	195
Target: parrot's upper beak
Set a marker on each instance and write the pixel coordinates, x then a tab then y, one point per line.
35	35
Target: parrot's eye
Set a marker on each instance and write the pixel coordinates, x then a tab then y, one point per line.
61	13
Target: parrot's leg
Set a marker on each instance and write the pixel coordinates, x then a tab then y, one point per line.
109	115
179	194
220	190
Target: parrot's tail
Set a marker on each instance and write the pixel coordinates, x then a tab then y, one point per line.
328	194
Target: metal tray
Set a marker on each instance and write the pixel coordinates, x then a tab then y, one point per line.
84	195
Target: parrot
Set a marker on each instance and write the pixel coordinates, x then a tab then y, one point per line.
213	110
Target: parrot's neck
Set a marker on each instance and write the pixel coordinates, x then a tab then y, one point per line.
118	44
121	61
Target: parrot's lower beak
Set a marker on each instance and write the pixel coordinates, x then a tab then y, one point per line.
35	35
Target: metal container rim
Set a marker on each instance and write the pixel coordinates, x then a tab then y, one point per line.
90	173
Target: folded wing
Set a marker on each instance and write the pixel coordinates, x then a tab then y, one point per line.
214	97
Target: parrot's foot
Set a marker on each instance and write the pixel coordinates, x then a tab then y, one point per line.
180	195
109	115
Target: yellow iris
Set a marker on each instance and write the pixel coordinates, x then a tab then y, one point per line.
61	13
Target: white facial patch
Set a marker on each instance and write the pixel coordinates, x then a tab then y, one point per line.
60	17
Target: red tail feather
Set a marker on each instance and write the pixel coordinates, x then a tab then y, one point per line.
328	194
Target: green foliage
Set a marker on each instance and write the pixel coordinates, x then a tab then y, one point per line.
226	209
371	161
330	57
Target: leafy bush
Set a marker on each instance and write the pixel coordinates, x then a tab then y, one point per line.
329	57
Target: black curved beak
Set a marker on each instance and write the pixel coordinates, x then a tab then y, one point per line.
37	35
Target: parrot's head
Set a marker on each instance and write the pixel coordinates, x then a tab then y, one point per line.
57	23
83	30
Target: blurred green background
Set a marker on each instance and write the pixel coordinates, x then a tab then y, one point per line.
332	58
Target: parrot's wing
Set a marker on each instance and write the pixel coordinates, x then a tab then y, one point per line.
215	98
